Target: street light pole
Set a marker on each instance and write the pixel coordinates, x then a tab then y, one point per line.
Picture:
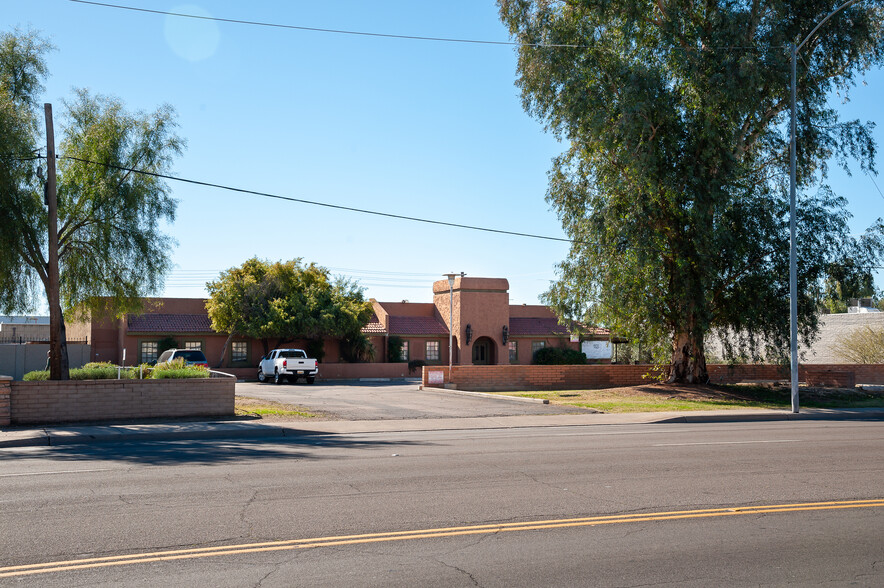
793	261
793	256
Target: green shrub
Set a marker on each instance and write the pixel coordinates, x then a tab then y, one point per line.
177	369
184	373
166	343
315	349
357	348
98	364
101	371
558	356
394	349
415	364
90	371
108	371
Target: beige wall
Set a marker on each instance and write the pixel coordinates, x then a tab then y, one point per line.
25	332
17	360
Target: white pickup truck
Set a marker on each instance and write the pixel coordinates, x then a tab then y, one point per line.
287	364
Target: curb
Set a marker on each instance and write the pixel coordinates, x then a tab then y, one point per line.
130	434
845	415
62	439
50	438
485	395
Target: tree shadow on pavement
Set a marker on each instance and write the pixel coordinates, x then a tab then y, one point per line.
215	451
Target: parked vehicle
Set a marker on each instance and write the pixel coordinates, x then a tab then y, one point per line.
190	356
287	364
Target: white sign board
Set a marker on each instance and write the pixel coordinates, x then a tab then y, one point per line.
596	349
435	377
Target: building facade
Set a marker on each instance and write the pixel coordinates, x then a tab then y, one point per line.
485	330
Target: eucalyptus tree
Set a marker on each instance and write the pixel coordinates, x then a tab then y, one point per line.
673	186
111	202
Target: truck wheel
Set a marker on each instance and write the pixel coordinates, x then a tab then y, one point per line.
277	378
261	376
310	379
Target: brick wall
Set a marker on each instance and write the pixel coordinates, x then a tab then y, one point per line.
96	400
340	371
565	377
542	377
5	390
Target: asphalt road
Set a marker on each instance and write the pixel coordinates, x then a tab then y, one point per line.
59	504
391	400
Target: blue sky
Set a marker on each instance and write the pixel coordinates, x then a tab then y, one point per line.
418	128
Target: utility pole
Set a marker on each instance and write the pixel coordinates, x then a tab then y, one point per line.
58	351
793	252
450	322
793	255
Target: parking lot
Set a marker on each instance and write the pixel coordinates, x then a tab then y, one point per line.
400	399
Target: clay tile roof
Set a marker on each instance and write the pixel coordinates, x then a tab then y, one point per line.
416	325
547	327
170	323
374	326
536	326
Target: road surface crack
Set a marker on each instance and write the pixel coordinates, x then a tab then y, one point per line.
242	514
267	575
462	571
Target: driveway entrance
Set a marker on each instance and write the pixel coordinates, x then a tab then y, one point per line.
359	401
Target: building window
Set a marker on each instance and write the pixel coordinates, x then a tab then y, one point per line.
433	351
239	351
149	351
403	353
513	346
535	345
198	345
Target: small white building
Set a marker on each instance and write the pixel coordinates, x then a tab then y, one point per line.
596	349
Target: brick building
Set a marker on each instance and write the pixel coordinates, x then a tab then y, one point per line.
486	330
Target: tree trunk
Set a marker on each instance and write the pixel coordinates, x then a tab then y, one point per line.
688	365
224	351
59	366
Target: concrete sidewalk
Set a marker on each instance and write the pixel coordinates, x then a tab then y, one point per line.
138	432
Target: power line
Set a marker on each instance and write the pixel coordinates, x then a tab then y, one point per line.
316	203
386	35
323	30
875	183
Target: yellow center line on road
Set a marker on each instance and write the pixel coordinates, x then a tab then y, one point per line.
169	555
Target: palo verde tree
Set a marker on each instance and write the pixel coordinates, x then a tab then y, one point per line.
285	301
110	246
673	187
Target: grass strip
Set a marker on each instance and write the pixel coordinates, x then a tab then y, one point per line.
270	409
660	398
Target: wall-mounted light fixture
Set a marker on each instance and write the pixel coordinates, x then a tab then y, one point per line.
469	333
506	334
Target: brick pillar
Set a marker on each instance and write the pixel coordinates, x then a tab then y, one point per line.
5	404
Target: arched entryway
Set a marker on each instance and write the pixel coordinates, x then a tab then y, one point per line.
484	351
